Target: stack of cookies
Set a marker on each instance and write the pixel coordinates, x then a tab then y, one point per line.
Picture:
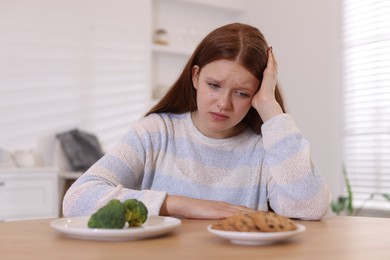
261	221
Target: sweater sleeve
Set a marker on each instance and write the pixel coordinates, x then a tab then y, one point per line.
295	186
118	174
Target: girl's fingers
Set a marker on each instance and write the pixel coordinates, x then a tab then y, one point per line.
271	62
242	209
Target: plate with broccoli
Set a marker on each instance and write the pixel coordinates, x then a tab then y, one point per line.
117	221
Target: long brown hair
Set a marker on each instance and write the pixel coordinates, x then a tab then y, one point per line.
238	42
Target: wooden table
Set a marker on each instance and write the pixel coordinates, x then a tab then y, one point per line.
332	238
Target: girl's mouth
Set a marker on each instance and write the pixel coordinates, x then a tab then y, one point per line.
218	117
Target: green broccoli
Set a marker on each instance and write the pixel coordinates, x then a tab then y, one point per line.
115	214
136	212
110	216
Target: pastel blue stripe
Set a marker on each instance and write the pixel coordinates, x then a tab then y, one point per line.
300	186
184	149
132	140
286	148
123	173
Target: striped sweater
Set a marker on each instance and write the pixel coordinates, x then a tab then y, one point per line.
166	154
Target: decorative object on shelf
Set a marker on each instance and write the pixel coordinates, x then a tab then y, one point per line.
82	149
161	36
25	158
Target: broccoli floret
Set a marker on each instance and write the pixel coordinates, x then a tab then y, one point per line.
115	214
110	216
136	212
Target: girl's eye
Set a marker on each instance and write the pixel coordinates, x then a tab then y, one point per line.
242	94
212	85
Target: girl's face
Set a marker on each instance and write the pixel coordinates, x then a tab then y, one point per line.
224	96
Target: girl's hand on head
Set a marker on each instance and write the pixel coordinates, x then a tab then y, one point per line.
200	209
264	101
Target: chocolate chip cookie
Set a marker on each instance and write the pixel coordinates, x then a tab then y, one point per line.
261	221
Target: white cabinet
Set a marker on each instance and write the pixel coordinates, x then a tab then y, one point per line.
28	193
186	23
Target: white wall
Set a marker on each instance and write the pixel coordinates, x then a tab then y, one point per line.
305	35
71	63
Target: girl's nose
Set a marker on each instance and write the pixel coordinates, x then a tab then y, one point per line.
225	101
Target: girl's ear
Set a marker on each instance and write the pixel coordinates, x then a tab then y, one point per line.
195	76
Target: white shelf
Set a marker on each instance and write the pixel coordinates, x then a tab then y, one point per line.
167	49
228	5
69	175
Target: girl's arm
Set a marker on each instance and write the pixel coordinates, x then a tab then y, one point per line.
295	187
117	175
200	209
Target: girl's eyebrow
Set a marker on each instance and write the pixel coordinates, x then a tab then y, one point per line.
240	87
245	87
213	79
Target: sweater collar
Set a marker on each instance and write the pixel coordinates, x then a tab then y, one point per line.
214	141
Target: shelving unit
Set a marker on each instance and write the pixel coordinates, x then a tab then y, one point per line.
186	22
27	193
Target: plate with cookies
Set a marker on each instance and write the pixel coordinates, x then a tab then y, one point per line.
258	228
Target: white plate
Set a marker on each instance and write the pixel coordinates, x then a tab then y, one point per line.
77	227
256	238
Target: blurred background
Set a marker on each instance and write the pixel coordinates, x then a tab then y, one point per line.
98	65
